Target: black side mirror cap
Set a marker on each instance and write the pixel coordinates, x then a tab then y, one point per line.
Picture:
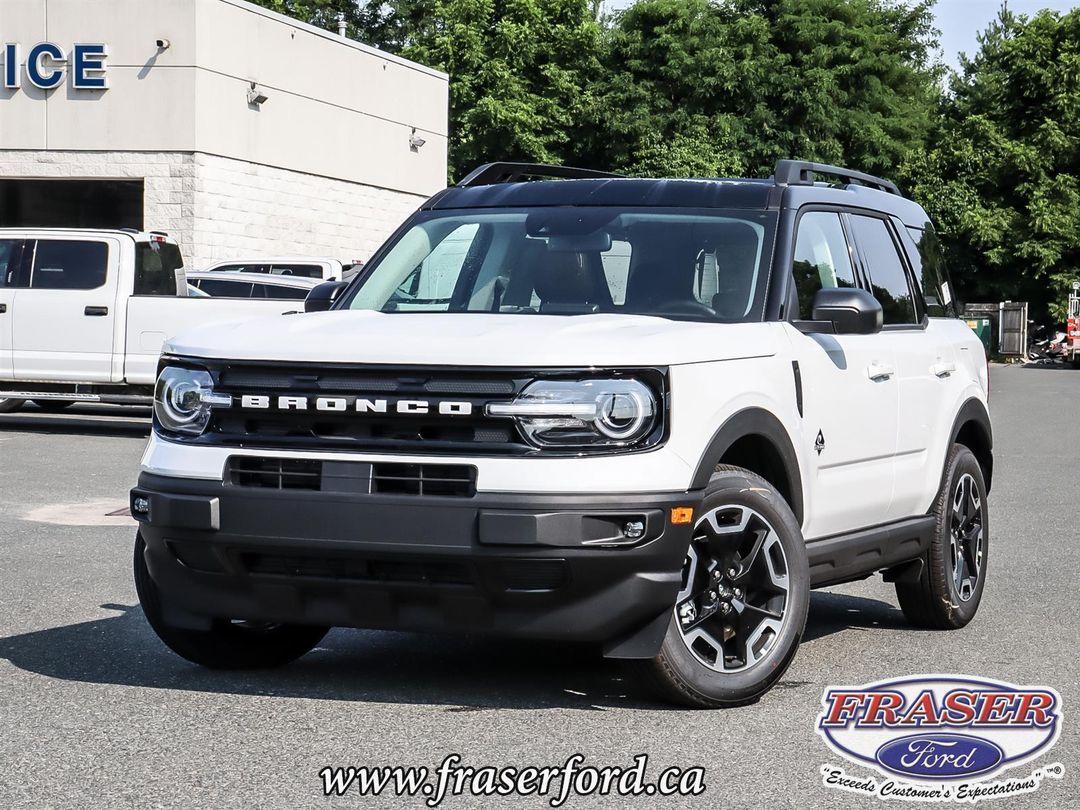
844	311
322	297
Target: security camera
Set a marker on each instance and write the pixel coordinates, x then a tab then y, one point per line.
415	141
163	44
255	96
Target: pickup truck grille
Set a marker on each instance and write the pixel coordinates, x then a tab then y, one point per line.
365	408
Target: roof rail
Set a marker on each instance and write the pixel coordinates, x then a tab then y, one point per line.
494	173
801	173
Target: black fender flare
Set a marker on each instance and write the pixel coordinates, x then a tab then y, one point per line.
974	411
753	422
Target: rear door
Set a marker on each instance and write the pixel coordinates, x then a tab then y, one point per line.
926	360
64	322
851	398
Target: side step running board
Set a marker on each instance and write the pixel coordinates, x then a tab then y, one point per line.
848	557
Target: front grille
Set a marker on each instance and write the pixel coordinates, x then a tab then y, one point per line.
356	569
352	477
431	433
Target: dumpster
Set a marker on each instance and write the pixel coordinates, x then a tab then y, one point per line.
981	327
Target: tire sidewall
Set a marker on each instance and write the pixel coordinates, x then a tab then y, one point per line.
961	461
718	688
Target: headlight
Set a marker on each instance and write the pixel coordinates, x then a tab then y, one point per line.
583	413
183	398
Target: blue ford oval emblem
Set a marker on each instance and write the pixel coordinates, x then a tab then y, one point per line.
939	756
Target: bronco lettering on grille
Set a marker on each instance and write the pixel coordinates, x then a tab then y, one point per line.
410	407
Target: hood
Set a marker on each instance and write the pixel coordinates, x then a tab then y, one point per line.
476	339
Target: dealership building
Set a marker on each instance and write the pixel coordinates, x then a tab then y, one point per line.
237	130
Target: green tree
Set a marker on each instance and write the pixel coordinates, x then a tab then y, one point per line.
1002	174
733	85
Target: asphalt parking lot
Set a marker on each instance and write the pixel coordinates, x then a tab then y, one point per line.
95	712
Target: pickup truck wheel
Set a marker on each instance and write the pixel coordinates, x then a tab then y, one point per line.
740	615
53	405
11	405
228	644
947	593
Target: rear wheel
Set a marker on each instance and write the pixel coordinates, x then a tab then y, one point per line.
53	405
740	615
10	405
947	594
228	644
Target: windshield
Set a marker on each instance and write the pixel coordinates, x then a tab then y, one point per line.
677	263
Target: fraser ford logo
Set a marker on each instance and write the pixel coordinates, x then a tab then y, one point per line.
940	737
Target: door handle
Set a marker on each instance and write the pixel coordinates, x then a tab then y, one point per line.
943	368
879	372
96	312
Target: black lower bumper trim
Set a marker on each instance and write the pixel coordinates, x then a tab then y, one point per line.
551	566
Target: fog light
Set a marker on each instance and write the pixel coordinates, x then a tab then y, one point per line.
634	529
141	505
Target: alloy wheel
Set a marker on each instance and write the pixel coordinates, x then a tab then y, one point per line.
966	542
735	591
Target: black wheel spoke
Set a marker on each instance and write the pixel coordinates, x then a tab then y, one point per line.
735	584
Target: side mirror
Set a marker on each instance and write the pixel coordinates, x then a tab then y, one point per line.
322	297
845	311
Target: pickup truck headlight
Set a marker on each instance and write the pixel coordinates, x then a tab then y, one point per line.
183	398
583	413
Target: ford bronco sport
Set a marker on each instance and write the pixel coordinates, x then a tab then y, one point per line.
650	414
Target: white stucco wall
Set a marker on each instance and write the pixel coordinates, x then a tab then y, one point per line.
335	108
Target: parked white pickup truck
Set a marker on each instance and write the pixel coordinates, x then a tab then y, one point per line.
301	266
83	314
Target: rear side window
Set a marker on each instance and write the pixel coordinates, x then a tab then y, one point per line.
301	270
156	266
61	264
929	266
242	268
888	278
225	289
822	258
278	291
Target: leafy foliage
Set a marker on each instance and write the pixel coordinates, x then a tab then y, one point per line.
1002	173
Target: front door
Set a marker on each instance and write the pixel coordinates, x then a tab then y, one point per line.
10	261
851	396
63	321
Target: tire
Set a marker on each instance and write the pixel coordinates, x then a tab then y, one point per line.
1076	361
53	405
944	598
11	405
693	667
227	644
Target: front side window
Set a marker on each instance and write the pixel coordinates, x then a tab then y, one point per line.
157	265
822	258
698	265
10	253
61	264
888	278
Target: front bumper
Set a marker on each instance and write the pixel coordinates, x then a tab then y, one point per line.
538	566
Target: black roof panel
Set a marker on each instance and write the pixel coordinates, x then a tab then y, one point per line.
753	194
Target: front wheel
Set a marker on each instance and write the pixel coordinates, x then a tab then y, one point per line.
740	614
949	589
228	644
10	405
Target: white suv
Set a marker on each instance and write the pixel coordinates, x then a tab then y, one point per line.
651	414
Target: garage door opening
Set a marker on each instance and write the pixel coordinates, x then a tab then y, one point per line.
71	203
